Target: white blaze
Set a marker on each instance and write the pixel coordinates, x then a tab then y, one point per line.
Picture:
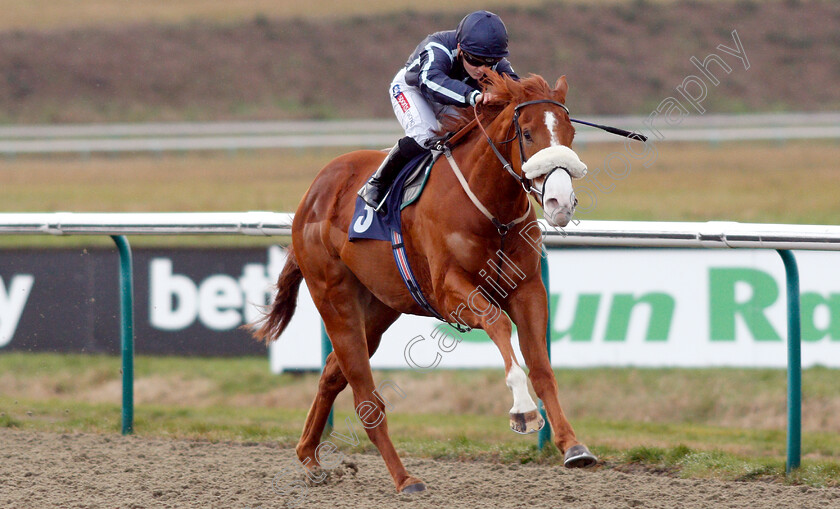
551	123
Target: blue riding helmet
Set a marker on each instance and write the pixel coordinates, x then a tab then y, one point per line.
482	33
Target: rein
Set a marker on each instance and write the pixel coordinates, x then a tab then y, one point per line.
455	138
505	164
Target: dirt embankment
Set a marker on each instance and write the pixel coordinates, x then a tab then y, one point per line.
622	58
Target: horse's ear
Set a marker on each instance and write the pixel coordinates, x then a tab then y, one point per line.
561	88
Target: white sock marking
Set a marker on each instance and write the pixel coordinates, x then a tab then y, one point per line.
518	383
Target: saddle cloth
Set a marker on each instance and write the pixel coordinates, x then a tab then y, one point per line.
405	190
367	224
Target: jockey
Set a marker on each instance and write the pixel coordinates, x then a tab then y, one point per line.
443	73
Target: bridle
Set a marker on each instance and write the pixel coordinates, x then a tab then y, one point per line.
503	228
526	183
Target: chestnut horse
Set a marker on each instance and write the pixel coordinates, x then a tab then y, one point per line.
449	236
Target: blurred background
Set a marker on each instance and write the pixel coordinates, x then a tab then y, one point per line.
207	60
75	63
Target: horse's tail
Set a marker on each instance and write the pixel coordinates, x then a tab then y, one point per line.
273	323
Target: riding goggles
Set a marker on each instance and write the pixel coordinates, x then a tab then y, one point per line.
477	61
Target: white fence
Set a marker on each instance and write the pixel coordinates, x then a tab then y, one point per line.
712	234
161	137
256	223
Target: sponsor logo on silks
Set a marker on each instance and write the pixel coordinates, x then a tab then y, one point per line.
403	102
400	97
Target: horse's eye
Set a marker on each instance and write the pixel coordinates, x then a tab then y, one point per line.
527	135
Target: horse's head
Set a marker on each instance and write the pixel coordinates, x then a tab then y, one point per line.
543	132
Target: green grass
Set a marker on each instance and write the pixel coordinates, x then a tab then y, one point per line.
244	402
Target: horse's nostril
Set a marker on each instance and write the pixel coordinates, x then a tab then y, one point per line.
552	203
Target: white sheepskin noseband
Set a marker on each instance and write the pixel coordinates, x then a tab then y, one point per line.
549	158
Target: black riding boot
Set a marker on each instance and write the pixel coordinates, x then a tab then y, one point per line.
374	192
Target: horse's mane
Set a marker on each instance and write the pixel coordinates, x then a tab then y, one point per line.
508	91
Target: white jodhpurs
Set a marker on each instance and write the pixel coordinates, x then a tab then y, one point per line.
417	116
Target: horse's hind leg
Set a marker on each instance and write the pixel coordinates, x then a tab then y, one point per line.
347	343
332	382
345	306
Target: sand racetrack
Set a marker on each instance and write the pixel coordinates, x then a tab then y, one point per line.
89	470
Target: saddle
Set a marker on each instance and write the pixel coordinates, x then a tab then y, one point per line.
417	177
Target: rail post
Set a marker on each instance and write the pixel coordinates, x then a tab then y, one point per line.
794	434
545	433
326	349
126	332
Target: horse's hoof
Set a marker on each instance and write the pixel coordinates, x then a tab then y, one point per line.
526	422
579	457
414	488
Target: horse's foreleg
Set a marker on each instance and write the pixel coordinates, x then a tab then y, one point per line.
528	309
484	313
524	417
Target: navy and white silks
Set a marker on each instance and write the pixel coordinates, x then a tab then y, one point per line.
432	82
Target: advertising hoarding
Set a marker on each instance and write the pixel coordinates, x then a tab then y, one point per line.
610	307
